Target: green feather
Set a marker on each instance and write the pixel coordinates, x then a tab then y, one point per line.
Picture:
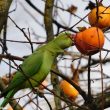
8	97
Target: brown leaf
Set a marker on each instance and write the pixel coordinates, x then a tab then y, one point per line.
72	9
75	74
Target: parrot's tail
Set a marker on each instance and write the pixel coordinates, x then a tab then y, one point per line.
8	98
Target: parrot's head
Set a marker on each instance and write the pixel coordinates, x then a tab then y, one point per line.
65	40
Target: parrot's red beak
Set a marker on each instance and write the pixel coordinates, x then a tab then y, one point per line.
72	38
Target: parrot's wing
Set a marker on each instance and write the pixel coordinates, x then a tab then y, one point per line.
30	66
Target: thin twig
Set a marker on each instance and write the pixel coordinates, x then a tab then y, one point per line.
22	30
89	81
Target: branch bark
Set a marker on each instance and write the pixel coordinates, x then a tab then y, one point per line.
4	8
48	21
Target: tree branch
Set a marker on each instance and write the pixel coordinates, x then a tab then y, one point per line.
4	8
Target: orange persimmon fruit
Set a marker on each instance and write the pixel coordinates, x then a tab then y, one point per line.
10	108
100	17
68	89
89	41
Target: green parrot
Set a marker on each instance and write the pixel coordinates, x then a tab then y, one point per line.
37	66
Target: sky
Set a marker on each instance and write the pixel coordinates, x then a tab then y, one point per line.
24	20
